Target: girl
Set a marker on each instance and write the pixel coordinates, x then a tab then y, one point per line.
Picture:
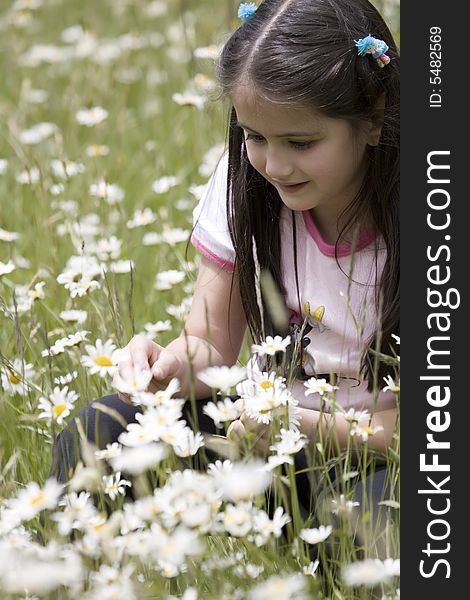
311	176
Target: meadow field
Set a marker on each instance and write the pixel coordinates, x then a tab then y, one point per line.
109	131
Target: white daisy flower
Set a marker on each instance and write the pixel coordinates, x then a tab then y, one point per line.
237	520
391	385
314	535
65	169
28	176
111	451
188	443
91	116
290	442
97	150
58	406
271	345
164	184
318	386
110	192
189	99
75	316
222	378
280	587
3	165
167	279
101	358
365	432
243	481
141	218
113	485
138	381
6	268
211	52
341	505
8	236
139	459
33	499
14	378
368	572
65	379
225	410
37	134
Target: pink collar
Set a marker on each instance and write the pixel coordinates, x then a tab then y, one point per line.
329	249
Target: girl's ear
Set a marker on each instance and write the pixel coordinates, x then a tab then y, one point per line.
376	122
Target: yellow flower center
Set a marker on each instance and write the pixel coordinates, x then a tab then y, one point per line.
14	377
266	384
38	499
58	409
103	361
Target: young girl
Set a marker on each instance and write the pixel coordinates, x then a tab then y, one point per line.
311	176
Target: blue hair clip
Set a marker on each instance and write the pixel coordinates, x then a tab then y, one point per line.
375	47
246	10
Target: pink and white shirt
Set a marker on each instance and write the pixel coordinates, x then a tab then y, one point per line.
336	294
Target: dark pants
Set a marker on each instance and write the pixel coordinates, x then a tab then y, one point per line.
103	428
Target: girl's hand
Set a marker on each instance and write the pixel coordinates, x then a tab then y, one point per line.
242	426
143	355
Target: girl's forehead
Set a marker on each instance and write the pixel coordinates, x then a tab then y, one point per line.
253	109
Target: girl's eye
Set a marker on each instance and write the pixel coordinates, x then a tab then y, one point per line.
258	139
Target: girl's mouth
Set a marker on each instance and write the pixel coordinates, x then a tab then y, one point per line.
290	189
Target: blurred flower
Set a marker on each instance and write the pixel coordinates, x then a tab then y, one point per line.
318	386
164	184
352	415
8	236
78	509
113	485
211	52
28	176
222	378
141	218
225	410
265	527
3	165
189	99
65	169
91	116
368	572
6	268
262	394
37	134
311	568
76	316
271	345
110	192
32	499
138	380
341	505
101	358
188	443
111	451
280	587
365	432
139	459
65	379
151	329
58	406
96	150
243	481
238	519
165	280
315	536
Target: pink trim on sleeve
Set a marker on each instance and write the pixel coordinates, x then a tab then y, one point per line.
225	264
329	249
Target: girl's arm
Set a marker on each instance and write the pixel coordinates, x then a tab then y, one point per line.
335	430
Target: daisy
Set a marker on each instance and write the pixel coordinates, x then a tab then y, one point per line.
311	568
91	116
76	316
342	505
3	165
318	386
237	519
265	527
28	176
110	192
151	329
142	218
6	268
280	587
15	377
225	410
37	134
368	572
8	236
164	184
111	451
32	499
113	485
78	509
137	381
65	379
222	378
82	287
101	358
352	415
65	169
290	442
315	536
58	406
271	345
97	150
139	459
188	443
365	432
391	385
167	279
211	52
189	99
243	481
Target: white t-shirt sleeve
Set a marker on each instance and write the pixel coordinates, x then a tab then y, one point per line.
211	234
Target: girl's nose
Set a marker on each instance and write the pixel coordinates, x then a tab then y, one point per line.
277	165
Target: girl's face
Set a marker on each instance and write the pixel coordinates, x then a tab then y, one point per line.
292	146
